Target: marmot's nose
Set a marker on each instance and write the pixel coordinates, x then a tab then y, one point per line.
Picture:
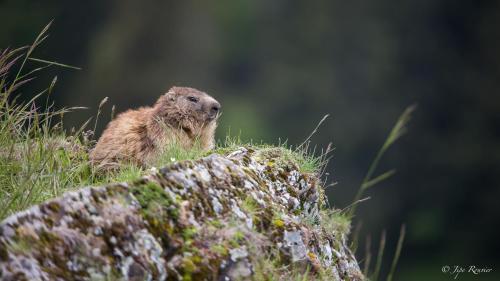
214	108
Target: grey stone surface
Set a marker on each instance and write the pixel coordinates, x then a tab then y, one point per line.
217	218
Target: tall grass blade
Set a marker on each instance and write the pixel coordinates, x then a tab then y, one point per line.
399	247
55	63
378	179
368	255
313	132
396	132
39	39
380	256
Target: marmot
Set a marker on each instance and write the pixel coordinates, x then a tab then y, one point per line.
183	115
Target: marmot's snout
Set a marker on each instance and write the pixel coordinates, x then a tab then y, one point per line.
212	108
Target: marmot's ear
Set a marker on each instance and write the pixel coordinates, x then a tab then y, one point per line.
170	95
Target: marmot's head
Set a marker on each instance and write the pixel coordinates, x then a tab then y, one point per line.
188	109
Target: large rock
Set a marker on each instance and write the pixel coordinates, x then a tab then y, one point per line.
243	216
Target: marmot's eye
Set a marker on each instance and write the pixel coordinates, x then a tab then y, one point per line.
192	99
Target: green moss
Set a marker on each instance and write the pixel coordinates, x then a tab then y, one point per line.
158	209
219	249
192	267
237	239
234	243
189	233
216	223
238	235
20	247
249	205
188	265
154	200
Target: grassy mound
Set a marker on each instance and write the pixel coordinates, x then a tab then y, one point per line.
40	160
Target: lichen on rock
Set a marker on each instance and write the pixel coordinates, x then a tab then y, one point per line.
223	217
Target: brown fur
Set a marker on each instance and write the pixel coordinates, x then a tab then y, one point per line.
182	116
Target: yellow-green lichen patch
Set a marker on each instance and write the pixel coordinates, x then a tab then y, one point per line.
278	223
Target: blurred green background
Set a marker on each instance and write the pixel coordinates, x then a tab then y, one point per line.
278	66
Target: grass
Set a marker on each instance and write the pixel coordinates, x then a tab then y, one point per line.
38	160
175	152
307	158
